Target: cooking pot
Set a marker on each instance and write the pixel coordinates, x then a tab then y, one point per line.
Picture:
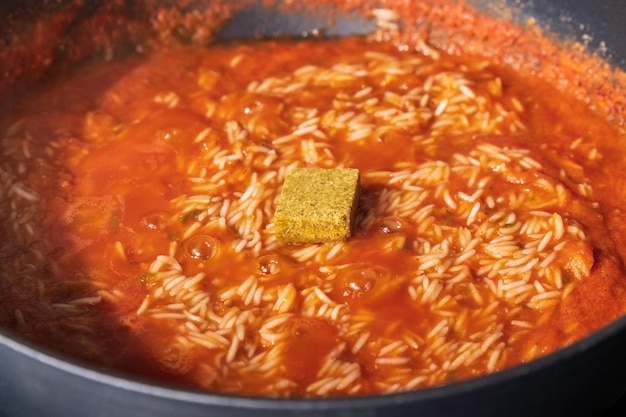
584	379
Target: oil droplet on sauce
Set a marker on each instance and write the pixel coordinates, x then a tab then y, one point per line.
157	221
202	247
270	265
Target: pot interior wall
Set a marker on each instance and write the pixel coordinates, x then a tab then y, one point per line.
597	25
28	52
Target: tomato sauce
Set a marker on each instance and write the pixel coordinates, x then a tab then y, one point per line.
486	233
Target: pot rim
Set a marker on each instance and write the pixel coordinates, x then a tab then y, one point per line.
183	394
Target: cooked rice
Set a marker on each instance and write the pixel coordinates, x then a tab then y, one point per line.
482	257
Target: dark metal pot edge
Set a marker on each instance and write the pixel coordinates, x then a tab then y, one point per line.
130	383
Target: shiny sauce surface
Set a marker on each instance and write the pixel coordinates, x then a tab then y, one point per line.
139	196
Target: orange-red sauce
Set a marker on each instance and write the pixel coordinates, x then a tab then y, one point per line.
109	151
